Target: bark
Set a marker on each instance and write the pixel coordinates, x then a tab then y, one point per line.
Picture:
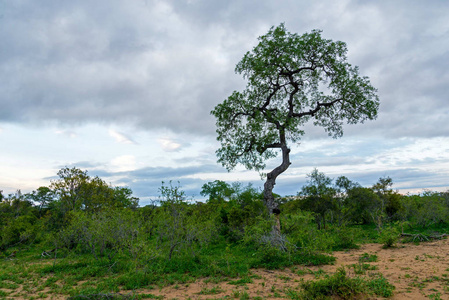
270	183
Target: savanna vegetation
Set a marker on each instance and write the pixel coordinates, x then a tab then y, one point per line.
80	229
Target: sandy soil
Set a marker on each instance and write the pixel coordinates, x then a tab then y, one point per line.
417	272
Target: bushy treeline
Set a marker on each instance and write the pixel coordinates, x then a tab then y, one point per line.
344	202
29	218
79	214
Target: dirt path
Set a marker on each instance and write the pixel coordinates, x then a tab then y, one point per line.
417	272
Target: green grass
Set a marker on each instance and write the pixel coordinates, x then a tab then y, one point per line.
211	291
340	285
361	268
241	281
218	262
3	293
366	257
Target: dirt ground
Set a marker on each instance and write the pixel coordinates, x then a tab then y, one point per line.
417	271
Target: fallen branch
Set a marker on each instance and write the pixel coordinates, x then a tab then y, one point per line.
48	252
12	255
422	237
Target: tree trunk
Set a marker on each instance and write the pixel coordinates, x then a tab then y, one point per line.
271	205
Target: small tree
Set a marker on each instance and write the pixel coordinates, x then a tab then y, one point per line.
178	225
390	199
320	196
292	79
75	190
363	205
67	188
43	196
217	191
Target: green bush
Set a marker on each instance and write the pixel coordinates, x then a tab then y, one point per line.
105	233
340	286
301	231
344	238
389	237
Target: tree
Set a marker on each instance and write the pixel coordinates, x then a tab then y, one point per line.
43	196
390	199
178	225
17	220
292	79
75	190
363	205
320	196
217	191
67	187
343	186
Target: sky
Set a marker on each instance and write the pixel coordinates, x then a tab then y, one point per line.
123	89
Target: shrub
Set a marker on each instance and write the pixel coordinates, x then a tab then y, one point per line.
389	237
303	234
344	238
104	233
340	286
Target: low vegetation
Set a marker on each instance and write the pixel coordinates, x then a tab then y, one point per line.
81	237
341	286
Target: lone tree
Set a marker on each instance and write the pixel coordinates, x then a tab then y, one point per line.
292	79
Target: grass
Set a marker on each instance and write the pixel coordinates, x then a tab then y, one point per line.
241	281
75	274
366	257
211	291
361	268
340	285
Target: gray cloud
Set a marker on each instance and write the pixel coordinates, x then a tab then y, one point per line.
161	64
114	63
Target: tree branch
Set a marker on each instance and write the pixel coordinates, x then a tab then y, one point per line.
290	73
319	105
269	146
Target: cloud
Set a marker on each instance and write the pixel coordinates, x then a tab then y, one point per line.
77	64
124	163
146	181
83	165
165	65
169	145
121	137
67	133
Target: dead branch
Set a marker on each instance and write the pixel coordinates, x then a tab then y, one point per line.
422	237
47	253
12	255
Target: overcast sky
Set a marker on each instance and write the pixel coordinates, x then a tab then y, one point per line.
124	90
